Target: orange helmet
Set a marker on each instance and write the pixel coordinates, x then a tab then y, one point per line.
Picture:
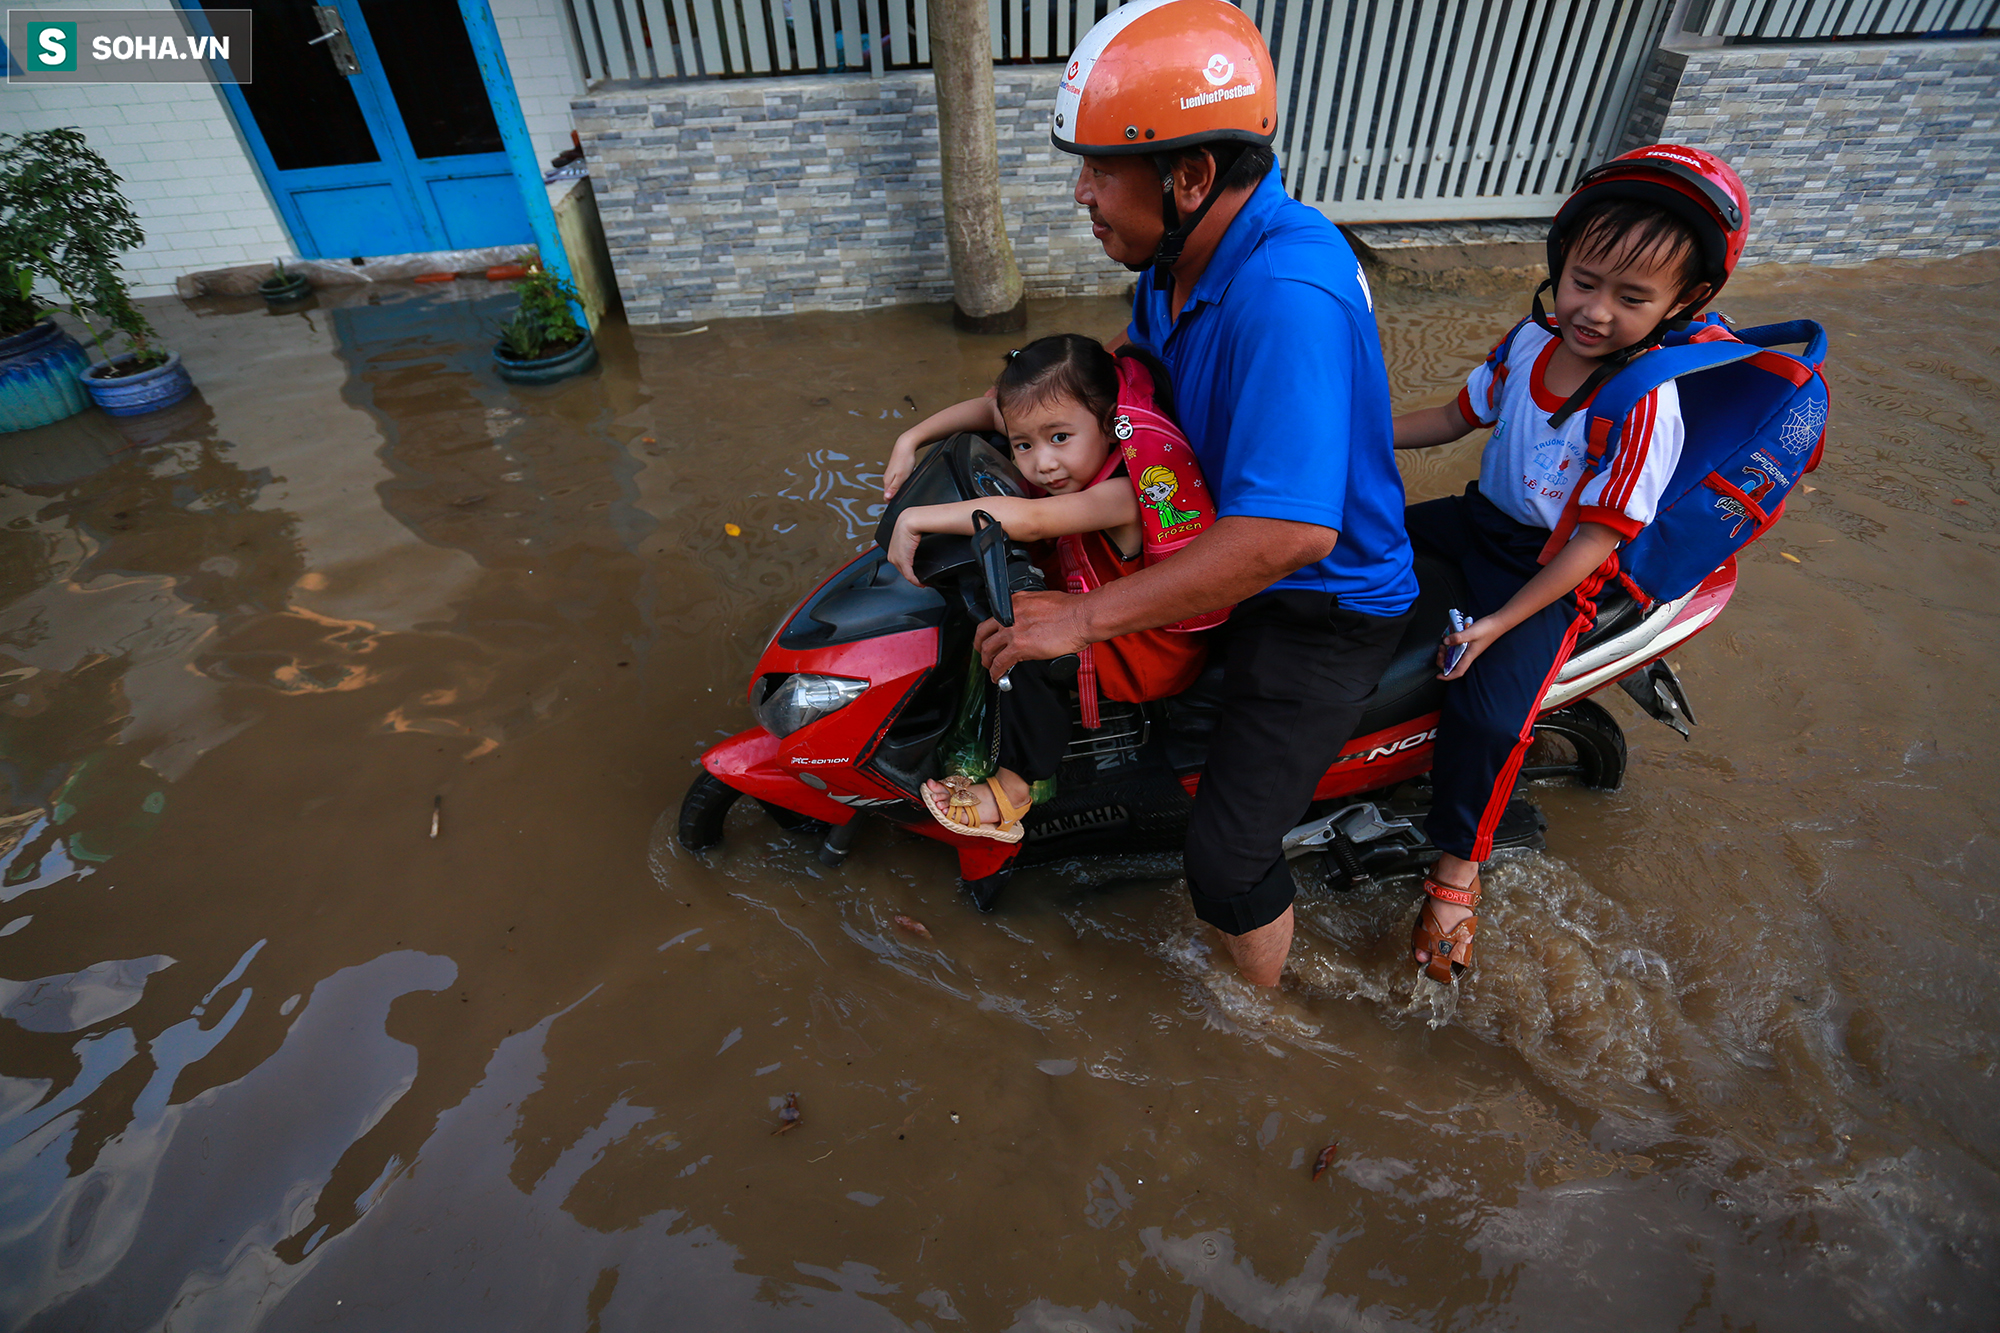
1164	74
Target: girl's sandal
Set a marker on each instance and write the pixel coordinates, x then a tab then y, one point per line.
1450	951
960	813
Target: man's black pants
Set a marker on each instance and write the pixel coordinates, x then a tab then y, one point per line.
1297	673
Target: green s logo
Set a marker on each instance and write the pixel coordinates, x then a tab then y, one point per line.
51	48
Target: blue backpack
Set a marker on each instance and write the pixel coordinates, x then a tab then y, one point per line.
1756	423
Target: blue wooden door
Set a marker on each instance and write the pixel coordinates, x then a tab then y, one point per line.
370	122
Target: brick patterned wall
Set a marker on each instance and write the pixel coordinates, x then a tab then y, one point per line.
1655	99
1852	151
820	192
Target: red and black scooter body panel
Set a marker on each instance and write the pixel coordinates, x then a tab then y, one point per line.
1127	788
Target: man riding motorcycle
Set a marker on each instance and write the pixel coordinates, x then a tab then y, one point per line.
1257	306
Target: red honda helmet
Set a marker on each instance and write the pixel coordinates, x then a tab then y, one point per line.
1696	187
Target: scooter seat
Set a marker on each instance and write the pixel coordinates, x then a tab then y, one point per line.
1410	687
1617	611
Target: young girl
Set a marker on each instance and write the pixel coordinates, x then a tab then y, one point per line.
1645	239
1123	491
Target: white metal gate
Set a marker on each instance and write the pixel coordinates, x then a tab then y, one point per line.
1389	109
1451	108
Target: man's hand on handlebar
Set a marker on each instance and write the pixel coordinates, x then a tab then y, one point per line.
1046	625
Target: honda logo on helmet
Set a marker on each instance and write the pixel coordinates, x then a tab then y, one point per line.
1220	70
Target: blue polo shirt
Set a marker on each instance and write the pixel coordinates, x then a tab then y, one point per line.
1279	383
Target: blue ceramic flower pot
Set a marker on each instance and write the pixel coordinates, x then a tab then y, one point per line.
548	369
147	391
38	384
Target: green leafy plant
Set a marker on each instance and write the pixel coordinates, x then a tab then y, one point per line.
543	325
64	221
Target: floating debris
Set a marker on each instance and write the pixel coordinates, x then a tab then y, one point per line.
1324	1160
788	1113
1789	556
437	812
911	924
688	333
732	529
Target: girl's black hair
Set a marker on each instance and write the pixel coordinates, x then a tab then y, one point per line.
1620	230
1069	365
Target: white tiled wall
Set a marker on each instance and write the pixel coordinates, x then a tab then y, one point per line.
198	193
536	37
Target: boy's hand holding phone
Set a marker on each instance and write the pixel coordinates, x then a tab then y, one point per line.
1474	636
1451	654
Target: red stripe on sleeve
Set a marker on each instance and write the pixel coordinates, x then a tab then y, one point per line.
1634	444
1465	408
1615	519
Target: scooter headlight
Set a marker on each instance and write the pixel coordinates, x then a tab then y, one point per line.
802	698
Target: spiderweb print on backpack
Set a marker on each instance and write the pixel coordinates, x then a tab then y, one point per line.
1801	430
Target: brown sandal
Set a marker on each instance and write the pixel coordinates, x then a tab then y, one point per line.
1451	952
960	813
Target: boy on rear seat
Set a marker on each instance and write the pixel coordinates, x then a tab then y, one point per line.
1645	240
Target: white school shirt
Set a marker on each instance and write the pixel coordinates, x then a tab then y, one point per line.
1529	469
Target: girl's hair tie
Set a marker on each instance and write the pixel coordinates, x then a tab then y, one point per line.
1013	352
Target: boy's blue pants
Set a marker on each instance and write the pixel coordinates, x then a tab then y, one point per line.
1489	714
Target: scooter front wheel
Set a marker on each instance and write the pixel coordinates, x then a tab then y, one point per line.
791	821
703	809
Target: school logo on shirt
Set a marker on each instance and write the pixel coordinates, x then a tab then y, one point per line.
1552	462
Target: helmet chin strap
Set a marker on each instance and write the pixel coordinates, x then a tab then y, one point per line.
1174	239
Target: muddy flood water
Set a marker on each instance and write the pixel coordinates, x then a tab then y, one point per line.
275	1057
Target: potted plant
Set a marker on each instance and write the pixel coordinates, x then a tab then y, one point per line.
282	290
63	221
543	342
39	362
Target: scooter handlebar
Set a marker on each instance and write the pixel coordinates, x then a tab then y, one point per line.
989	545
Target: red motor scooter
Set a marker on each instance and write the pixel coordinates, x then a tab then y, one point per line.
857	692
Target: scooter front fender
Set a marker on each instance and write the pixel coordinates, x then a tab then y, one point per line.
751	762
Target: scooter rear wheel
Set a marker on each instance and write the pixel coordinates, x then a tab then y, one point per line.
703	809
1597	740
